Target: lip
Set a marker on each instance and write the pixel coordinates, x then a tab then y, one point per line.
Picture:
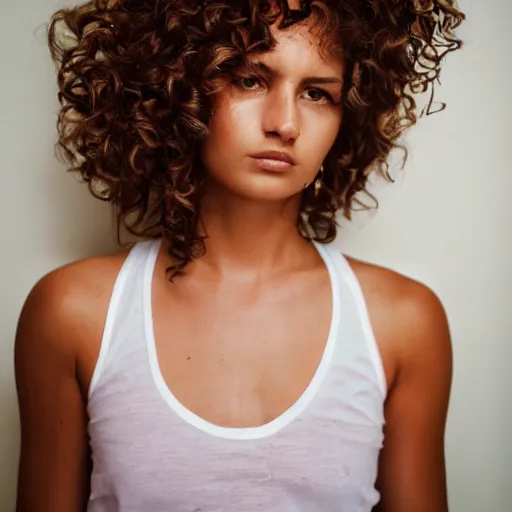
279	156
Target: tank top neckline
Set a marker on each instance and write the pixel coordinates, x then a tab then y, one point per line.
242	433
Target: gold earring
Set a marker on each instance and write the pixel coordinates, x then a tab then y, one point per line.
318	181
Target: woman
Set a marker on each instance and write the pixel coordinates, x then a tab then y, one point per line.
233	359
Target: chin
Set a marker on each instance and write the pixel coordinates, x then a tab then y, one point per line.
265	190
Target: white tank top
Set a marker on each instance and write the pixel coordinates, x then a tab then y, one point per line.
152	454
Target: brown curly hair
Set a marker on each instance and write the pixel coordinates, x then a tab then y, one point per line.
136	79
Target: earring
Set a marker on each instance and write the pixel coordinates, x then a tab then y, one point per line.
318	181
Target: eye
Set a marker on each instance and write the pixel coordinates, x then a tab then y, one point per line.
248	82
316	95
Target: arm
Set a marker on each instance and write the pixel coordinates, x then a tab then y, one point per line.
412	475
53	468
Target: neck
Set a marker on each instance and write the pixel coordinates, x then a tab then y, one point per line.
258	237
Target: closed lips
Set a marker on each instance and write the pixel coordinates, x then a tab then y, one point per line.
275	155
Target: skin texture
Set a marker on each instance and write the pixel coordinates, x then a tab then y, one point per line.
245	284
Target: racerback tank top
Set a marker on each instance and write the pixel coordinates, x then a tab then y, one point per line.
152	454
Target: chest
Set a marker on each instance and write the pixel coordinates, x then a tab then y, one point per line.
315	465
240	358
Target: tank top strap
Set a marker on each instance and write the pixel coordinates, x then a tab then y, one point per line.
355	317
125	310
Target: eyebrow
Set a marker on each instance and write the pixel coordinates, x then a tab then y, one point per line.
258	66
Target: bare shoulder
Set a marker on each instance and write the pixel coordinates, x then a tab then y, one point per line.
71	291
396	289
67	308
412	332
407	316
57	342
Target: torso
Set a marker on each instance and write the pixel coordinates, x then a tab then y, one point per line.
220	369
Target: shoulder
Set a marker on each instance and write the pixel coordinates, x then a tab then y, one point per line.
66	291
402	294
411	330
407	316
64	313
57	340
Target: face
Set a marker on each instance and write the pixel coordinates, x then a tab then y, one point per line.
274	124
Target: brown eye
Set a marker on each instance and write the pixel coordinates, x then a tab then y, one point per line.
316	95
248	82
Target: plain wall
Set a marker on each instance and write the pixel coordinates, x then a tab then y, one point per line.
446	221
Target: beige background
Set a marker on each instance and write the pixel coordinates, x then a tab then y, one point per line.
446	222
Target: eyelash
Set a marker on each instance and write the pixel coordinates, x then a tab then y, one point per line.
238	82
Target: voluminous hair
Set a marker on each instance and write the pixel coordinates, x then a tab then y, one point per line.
136	80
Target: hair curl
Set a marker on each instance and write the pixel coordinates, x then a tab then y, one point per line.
136	79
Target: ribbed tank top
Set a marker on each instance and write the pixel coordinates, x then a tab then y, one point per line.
152	454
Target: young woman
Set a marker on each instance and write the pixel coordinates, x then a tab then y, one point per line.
233	359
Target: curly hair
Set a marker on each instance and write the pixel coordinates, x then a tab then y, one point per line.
136	80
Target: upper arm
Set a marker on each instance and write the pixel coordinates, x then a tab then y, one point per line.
412	475
53	468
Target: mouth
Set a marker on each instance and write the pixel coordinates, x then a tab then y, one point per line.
279	156
274	160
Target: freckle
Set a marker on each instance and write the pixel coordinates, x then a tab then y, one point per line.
222	360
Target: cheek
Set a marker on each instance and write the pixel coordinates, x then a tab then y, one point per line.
231	135
319	134
329	129
214	146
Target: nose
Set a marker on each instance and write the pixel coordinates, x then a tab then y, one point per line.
282	117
